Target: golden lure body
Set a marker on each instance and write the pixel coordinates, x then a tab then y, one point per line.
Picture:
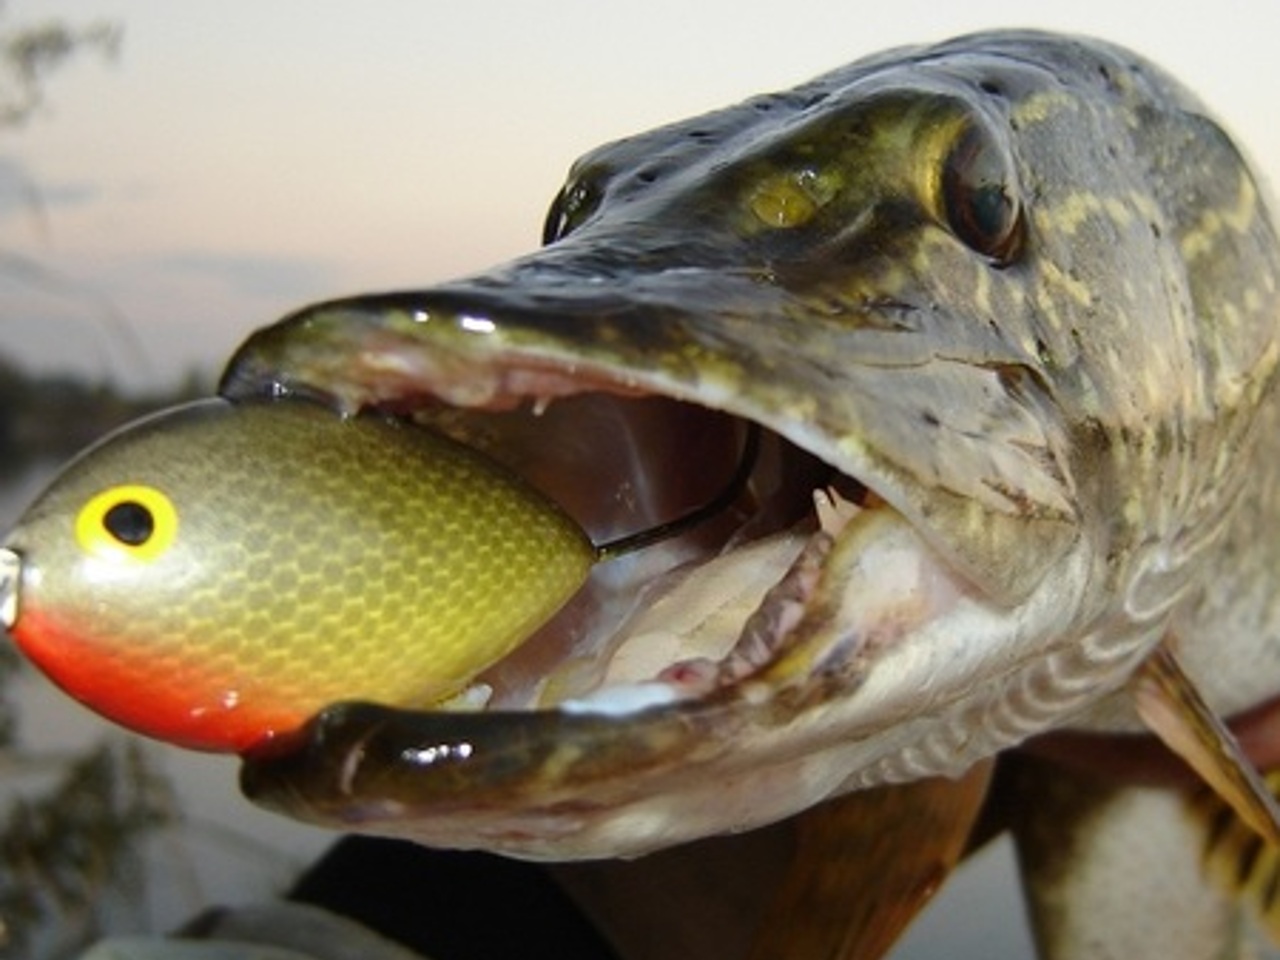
215	574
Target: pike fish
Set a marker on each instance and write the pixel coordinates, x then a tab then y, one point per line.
1001	315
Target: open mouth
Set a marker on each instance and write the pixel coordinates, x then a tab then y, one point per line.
728	512
796	576
715	538
810	628
710	648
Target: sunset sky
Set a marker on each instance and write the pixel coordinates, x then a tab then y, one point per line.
243	158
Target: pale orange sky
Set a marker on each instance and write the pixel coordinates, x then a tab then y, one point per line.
243	158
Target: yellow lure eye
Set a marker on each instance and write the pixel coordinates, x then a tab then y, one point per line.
130	520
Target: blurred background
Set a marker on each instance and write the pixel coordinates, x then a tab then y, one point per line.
174	175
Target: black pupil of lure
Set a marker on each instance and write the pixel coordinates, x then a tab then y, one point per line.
129	522
980	207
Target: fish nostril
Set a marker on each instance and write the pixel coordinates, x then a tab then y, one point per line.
10	576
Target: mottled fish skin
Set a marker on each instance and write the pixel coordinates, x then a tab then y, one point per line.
1064	395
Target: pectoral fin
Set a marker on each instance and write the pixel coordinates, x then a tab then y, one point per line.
1239	860
866	864
1171	706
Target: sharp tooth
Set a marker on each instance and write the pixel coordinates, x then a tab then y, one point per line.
474	697
10	577
623	700
834	511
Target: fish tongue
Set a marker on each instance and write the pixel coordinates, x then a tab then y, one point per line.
715	621
701	616
1171	706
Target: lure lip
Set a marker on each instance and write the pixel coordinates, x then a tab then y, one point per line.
10	586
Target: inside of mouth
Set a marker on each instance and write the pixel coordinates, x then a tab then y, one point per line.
621	466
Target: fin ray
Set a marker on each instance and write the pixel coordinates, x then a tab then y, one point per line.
1170	705
866	864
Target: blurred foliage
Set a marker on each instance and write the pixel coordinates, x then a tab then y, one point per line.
10	663
69	853
45	418
28	54
70	846
66	852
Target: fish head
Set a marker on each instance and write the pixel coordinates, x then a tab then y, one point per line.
980	299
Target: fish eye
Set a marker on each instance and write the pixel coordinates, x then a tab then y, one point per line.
978	200
572	205
131	520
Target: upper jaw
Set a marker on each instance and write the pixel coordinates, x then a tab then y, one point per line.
953	429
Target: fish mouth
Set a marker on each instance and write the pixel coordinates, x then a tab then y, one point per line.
714	527
712	530
700	555
720	679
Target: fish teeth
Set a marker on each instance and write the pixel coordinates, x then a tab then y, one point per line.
834	511
474	697
621	701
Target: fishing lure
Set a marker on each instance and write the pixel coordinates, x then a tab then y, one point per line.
215	574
